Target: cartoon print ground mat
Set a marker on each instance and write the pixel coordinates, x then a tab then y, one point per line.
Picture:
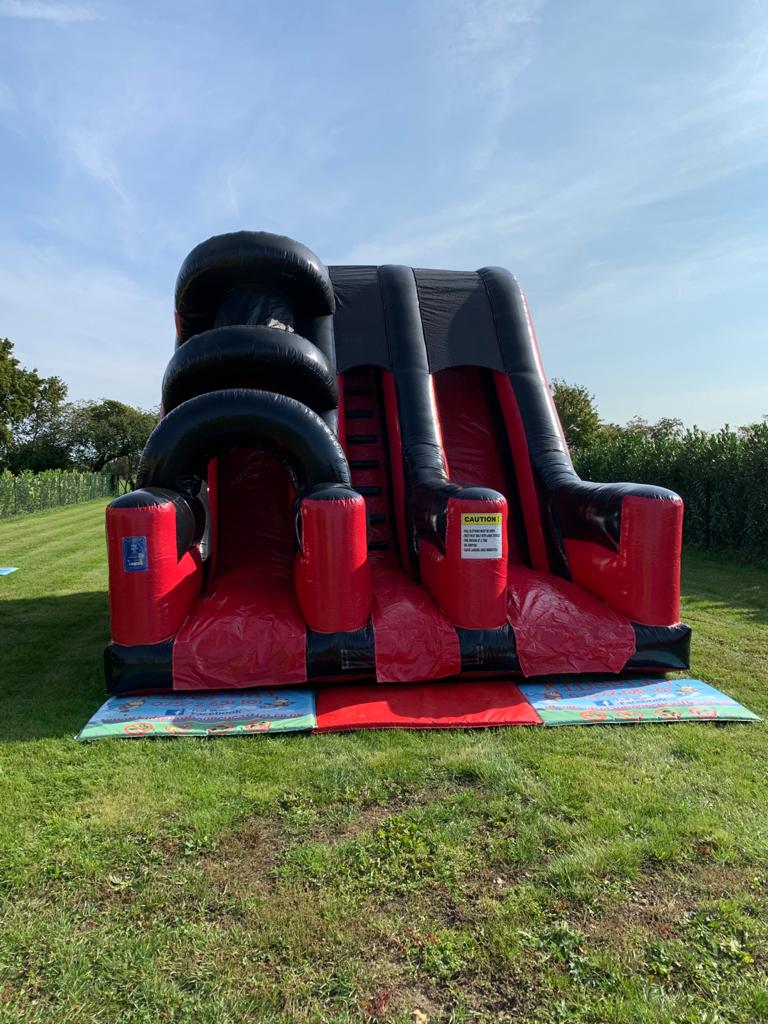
460	705
625	701
202	714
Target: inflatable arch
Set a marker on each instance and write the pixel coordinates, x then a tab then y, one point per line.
360	474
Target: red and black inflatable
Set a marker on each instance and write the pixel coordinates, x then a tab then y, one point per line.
360	474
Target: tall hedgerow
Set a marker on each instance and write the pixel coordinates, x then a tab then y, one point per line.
721	476
34	492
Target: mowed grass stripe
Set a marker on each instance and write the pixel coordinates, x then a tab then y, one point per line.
63	532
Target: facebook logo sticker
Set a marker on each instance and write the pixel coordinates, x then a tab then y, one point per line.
135	554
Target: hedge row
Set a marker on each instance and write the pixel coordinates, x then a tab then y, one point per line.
722	478
33	492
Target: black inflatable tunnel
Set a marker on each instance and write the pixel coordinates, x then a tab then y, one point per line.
250	277
179	449
260	357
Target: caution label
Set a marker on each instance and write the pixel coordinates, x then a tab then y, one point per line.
481	534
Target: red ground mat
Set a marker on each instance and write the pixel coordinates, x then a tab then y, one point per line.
463	705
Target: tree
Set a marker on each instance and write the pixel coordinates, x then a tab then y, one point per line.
666	428
40	439
19	388
109	435
576	408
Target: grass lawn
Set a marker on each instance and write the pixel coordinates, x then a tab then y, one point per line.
601	874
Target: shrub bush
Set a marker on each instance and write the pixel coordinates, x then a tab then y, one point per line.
722	478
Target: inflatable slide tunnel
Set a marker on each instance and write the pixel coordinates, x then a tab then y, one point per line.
360	474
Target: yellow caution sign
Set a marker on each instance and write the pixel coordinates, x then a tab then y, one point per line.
481	534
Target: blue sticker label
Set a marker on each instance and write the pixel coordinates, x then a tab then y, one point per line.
135	554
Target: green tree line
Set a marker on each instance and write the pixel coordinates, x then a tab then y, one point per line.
40	430
721	475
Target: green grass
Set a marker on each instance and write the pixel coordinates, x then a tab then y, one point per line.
603	874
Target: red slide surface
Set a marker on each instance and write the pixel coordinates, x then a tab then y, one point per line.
247	630
559	627
413	639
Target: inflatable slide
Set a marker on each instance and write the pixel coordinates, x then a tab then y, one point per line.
359	474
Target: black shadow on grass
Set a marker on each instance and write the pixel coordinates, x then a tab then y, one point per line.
51	669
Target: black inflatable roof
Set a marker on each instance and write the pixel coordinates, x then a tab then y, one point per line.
456	318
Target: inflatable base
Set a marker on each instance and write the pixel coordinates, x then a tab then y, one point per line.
359	478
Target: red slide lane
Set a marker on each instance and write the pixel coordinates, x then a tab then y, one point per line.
247	629
413	639
472	435
559	627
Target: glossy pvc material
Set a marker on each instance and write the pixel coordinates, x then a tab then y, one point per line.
478	705
282	267
181	446
413	638
252	356
246	631
471	591
149	605
642	578
473	434
521	459
396	465
138	668
248	627
560	628
445	407
427	483
331	570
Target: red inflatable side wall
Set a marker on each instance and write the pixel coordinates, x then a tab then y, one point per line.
470	588
642	579
151	590
331	572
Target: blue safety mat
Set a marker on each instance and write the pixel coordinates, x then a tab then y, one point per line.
616	701
241	713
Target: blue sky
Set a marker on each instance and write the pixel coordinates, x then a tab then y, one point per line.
613	155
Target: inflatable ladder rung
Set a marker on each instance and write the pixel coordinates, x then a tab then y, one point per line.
360	414
369	491
378	545
361	439
364	463
358	389
377	518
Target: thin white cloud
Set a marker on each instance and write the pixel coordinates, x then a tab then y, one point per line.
8	102
699	130
37	10
695	274
481	49
470	30
91	150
